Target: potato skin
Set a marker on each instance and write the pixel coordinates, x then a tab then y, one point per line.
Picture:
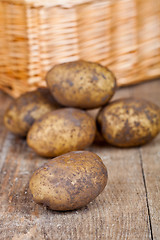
69	181
30	106
81	84
62	131
129	122
99	139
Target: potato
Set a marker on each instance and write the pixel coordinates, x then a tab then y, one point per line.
69	181
99	139
129	122
81	84
61	131
22	112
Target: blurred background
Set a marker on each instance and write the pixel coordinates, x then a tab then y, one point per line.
35	35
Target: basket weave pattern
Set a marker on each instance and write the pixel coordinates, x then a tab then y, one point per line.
34	36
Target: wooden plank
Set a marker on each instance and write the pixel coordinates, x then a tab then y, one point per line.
120	212
151	166
149	91
125	206
150	157
4	144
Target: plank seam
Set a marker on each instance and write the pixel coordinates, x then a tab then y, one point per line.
145	186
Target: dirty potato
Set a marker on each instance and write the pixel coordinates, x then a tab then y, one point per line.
23	111
69	181
81	84
61	131
99	139
129	122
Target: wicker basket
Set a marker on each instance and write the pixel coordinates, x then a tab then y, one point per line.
35	35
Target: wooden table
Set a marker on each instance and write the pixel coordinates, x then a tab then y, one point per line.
128	208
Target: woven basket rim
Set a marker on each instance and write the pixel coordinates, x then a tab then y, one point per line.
51	3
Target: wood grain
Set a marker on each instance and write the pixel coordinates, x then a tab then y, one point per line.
150	156
119	213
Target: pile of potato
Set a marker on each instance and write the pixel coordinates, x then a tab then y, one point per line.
56	121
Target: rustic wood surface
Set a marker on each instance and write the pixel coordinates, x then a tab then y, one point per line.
128	208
